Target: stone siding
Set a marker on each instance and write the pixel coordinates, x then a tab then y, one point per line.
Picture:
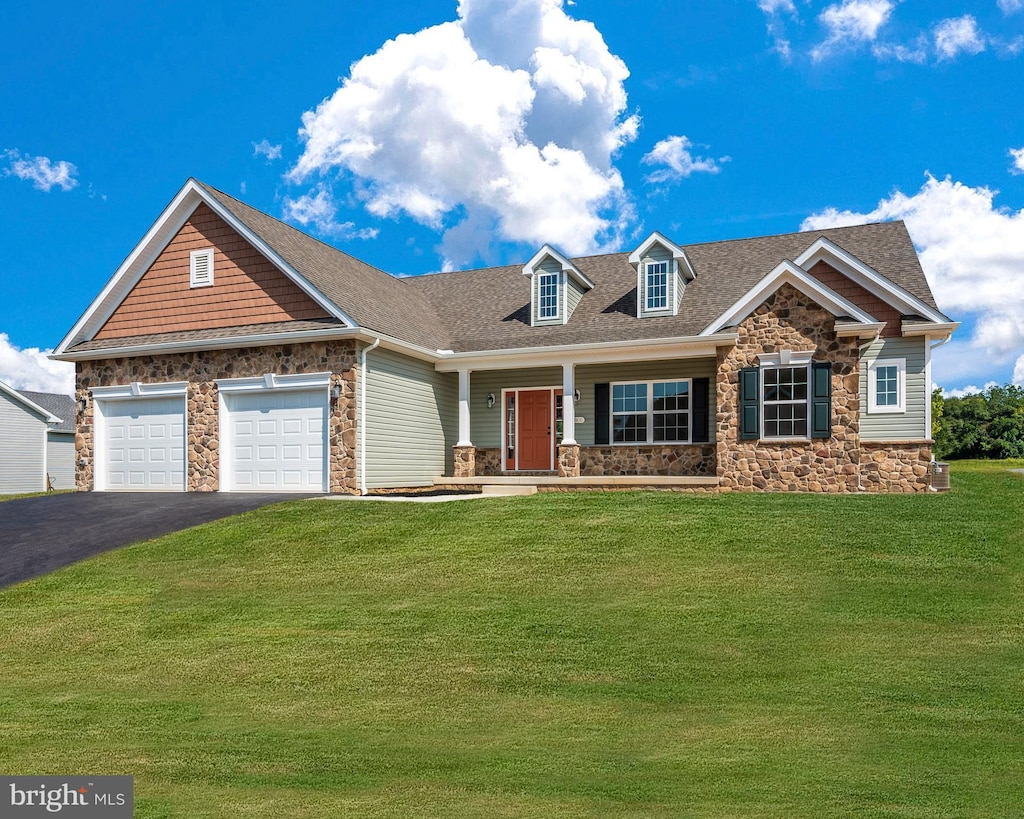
790	320
465	462
698	460
569	461
896	466
201	370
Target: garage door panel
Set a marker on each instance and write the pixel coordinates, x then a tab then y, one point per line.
145	444
277	440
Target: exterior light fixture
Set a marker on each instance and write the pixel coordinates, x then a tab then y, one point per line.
490	400
336	392
575	395
82	404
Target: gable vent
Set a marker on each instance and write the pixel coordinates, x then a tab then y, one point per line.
201	268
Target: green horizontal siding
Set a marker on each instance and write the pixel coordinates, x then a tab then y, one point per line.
412	421
897	426
486	423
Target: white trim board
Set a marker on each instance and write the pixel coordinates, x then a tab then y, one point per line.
787	273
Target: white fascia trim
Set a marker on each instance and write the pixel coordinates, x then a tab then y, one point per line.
567	267
591	353
860	329
32	405
137	389
787	273
677	252
259	340
273	381
867	277
167	225
934	329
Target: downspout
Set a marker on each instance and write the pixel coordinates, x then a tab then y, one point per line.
361	438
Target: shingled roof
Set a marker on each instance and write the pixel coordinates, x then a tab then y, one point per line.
374	299
490	309
60	406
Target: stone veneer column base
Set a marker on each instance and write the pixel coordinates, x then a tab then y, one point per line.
465	461
569	461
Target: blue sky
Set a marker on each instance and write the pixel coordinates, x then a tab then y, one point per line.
450	135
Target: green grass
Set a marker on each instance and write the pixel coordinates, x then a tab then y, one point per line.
621	655
34	494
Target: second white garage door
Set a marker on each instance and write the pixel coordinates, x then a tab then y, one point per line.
277	441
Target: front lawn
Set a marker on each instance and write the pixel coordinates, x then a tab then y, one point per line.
561	655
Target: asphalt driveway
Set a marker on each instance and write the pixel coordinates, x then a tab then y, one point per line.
38	535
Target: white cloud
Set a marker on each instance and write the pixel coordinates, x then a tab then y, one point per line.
850	23
1017	155
40	170
674	154
30	369
958	35
318	209
1010	6
913	52
973	255
515	135
970	389
1018	372
264	148
776	6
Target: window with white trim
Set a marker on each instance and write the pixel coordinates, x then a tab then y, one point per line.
784	402
200	268
657	285
547	295
651	412
887	380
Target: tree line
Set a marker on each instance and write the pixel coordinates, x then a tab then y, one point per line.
987	424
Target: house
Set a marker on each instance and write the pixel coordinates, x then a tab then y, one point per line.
37	441
233	352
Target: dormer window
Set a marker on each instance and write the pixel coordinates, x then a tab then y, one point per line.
662	273
556	287
548	295
657	285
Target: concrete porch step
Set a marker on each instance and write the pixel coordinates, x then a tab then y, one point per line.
498	490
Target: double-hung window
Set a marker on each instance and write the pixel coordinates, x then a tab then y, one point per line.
784	399
887	385
657	286
547	296
651	412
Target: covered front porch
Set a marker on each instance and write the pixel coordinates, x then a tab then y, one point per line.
636	421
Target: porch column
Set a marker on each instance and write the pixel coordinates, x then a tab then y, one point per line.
568	404
464	409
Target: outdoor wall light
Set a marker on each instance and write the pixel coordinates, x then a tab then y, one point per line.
82	404
490	400
575	395
336	392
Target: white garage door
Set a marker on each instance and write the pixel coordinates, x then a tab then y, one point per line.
277	441
144	444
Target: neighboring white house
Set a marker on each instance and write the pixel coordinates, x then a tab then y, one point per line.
37	439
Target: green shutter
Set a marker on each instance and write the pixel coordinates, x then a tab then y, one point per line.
602	413
699	410
750	403
821	400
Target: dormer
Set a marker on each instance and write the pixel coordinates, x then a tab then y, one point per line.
556	287
662	271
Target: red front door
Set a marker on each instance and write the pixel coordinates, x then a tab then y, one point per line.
534	429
